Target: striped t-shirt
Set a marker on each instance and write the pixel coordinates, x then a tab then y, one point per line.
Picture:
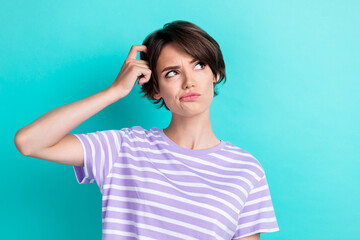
153	188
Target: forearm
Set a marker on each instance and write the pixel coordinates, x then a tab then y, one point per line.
51	127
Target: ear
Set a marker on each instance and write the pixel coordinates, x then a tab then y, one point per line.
156	96
218	77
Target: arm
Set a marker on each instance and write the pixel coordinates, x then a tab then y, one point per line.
47	137
252	237
53	126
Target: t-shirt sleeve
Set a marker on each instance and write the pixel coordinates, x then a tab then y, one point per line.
100	153
257	215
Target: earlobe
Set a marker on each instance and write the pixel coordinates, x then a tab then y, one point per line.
156	96
218	77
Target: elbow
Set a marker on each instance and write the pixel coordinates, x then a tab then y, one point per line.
19	142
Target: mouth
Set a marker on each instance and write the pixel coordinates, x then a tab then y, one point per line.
189	98
189	94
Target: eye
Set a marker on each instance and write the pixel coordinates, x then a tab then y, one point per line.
201	63
168	73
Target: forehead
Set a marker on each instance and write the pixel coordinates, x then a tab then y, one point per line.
171	54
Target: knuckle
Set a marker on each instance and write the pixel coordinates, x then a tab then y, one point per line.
128	61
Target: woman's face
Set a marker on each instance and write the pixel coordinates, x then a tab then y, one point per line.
189	76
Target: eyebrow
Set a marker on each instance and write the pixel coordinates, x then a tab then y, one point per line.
176	67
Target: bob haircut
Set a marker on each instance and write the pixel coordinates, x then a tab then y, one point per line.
192	40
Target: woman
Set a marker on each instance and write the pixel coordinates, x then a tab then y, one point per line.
181	182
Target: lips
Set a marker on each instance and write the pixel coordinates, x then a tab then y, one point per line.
190	94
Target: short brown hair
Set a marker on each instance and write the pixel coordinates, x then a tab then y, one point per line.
192	40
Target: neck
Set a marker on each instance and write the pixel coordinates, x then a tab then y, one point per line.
193	132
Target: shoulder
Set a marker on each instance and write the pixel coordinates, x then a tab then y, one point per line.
135	130
140	134
243	159
138	131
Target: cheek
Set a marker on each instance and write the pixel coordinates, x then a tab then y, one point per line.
168	92
211	86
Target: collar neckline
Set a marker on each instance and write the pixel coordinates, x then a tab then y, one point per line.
193	152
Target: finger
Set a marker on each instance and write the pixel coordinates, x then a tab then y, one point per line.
142	61
144	73
139	62
144	76
139	69
135	49
142	81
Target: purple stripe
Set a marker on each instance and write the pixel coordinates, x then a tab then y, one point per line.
265	226
237	175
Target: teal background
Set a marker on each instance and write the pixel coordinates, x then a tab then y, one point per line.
291	99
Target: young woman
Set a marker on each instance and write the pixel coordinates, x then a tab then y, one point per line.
181	182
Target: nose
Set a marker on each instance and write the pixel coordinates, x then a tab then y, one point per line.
188	80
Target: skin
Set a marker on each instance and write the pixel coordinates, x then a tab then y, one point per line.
190	125
252	237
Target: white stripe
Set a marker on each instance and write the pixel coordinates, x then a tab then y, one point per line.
110	150
109	162
257	211
235	196
135	138
175	161
162	218
127	234
263	199
262	220
164	183
150	227
195	159
170	208
238	161
244	154
93	165
259	189
172	162
177	198
258	231
147	133
102	156
86	177
117	140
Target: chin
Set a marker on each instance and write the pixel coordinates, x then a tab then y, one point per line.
191	110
